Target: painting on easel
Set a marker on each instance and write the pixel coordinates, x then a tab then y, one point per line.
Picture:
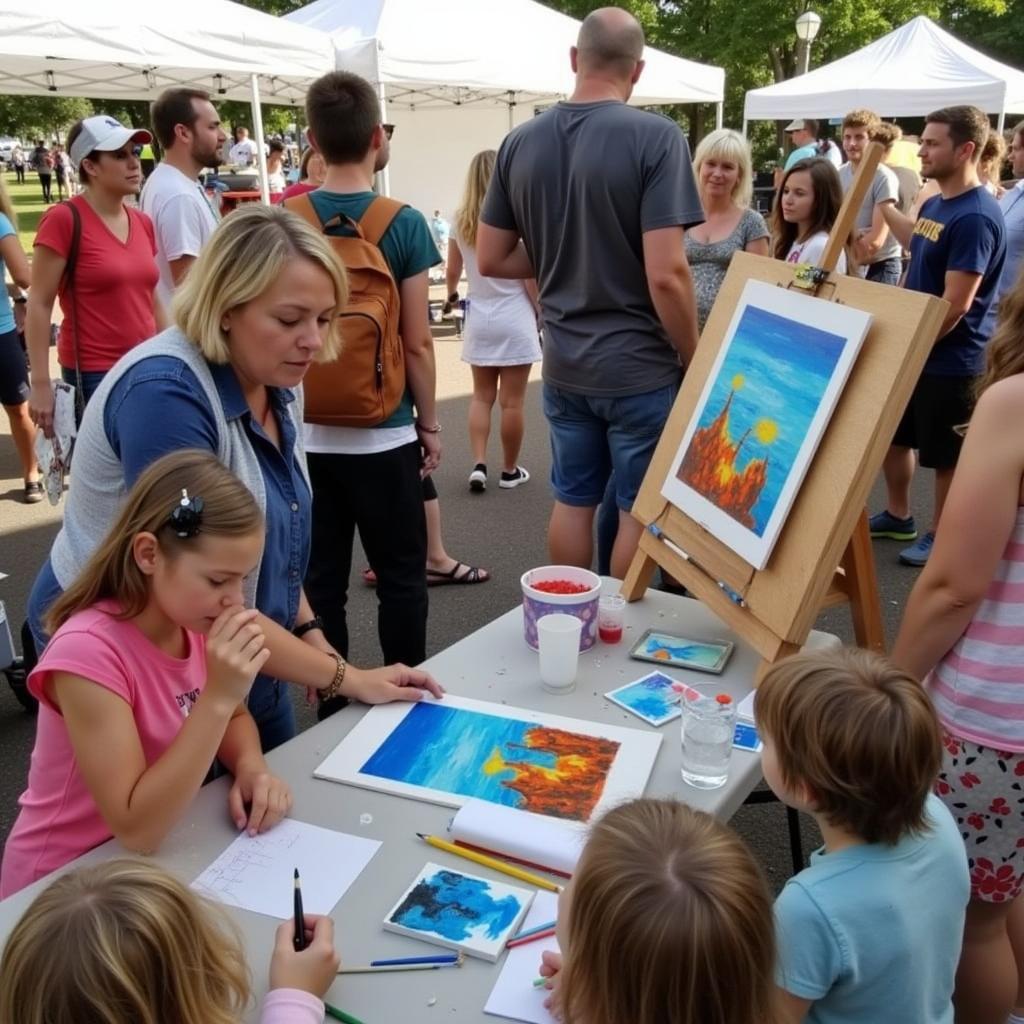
763	411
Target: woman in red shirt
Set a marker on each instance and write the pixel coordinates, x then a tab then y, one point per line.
109	303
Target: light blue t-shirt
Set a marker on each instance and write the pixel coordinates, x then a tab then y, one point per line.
6	309
873	932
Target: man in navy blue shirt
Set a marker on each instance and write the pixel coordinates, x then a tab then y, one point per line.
956	251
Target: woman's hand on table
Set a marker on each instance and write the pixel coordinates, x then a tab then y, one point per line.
550	968
315	968
268	797
390	683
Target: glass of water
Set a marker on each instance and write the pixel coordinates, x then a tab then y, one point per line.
708	724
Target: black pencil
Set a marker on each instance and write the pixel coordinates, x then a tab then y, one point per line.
299	941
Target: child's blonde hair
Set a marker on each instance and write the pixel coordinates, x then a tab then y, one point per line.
122	943
670	921
467	216
229	510
859	733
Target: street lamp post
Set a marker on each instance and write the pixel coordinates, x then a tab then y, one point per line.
807	26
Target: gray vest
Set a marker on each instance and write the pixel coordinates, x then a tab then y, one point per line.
98	487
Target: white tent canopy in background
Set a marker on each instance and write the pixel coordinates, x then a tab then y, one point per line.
115	50
455	75
911	71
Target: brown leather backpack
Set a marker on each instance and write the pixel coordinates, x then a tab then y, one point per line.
365	384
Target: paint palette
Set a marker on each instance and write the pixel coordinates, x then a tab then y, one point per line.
465	912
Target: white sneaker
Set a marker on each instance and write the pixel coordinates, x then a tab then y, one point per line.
478	480
520	476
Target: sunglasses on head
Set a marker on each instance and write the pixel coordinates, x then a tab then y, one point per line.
389	130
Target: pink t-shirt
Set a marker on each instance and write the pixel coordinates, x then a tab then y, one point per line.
291	1006
59	819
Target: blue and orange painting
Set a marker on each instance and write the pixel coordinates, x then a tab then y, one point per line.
768	389
651	698
473	913
504	760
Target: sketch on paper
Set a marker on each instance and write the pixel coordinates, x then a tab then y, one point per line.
464	912
762	414
458	749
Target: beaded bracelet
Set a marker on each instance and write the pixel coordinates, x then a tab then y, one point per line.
339	678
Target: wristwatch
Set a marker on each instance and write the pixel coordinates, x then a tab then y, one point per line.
307	627
435	429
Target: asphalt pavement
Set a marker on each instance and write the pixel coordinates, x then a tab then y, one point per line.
503	531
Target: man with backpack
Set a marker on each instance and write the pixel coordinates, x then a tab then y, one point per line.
42	164
371	420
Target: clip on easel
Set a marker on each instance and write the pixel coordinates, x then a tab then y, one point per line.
774	608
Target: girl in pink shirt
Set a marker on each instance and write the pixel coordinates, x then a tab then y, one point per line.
137	945
143	683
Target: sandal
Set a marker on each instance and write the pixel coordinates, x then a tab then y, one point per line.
473	574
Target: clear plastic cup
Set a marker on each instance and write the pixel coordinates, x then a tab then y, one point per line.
558	641
611	613
708	725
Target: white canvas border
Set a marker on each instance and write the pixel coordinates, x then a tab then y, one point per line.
626	780
851	324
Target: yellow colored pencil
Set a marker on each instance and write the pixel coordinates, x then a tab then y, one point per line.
490	862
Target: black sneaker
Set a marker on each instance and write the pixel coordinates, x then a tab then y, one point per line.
478	478
520	476
33	492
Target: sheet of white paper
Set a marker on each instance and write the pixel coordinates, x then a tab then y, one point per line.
513	994
257	872
745	708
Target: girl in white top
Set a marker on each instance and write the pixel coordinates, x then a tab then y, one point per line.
806	207
500	340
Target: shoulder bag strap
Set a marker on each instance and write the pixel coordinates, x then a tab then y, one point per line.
68	281
377	218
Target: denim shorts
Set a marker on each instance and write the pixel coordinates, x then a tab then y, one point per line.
591	436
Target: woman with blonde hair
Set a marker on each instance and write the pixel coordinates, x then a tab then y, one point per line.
14	388
227	379
725	179
500	340
667	920
962	634
137	946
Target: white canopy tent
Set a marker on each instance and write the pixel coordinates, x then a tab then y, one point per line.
455	75
107	49
911	71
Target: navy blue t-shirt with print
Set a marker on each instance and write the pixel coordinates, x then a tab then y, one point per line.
408	248
963	233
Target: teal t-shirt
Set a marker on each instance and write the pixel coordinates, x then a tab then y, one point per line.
873	932
407	245
6	310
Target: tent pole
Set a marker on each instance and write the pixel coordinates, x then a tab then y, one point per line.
1002	118
718	115
382	178
511	109
261	150
744	127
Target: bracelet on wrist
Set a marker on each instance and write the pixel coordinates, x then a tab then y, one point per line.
435	429
341	667
307	627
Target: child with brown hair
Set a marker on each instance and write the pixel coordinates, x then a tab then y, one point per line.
871	930
137	946
667	920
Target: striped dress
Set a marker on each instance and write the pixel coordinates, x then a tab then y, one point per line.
978	687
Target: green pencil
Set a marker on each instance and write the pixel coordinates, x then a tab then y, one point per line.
346	1018
540	982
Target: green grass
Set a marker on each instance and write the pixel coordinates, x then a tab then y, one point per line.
28	205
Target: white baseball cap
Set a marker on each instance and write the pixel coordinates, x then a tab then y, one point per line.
104	134
795	126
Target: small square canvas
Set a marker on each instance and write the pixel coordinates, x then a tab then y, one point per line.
465	912
651	698
681	652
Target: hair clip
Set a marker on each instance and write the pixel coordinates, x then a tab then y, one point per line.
186	516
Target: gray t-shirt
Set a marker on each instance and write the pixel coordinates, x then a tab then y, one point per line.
581	184
885	186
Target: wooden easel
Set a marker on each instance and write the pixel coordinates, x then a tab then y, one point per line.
774	608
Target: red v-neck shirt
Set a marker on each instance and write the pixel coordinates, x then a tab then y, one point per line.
114	285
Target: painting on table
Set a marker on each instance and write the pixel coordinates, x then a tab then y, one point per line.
457	749
764	409
464	912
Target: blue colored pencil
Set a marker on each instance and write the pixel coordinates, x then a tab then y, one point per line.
527	932
402	961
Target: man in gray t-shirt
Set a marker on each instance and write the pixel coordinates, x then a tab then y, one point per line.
878	250
592	198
